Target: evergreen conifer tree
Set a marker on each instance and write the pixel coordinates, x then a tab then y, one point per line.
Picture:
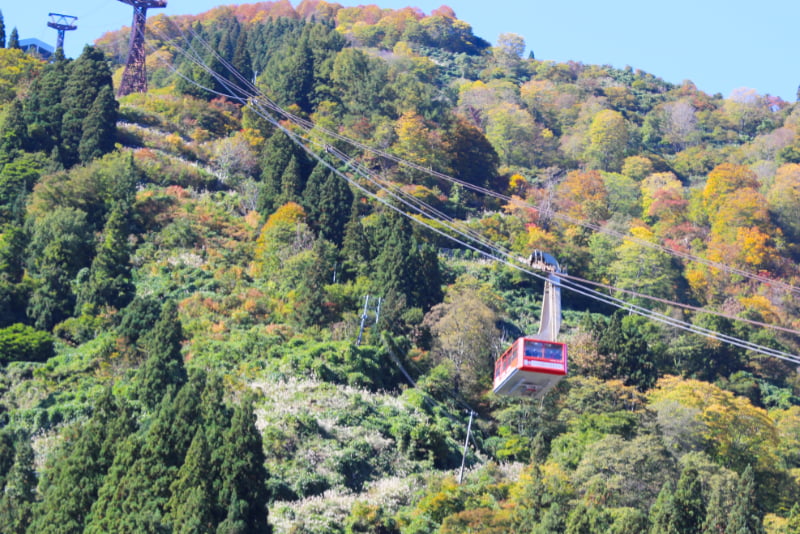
13	133
744	517
721	499
6	453
60	246
357	250
793	521
13	40
312	193
191	506
664	511
244	475
88	75
335	204
43	107
690	503
16	503
71	484
309	307
163	370
99	126
216	418
135	493
291	182
109	282
276	156
2	31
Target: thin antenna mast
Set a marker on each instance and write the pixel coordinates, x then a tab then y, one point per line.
61	23
134	79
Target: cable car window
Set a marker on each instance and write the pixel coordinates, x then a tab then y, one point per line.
533	349
553	352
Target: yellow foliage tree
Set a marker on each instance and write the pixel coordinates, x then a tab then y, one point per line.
736	432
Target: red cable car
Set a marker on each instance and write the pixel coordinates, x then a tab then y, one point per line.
531	366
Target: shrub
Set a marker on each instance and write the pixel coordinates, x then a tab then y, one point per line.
20	342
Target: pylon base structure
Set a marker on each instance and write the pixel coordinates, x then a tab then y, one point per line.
134	79
61	23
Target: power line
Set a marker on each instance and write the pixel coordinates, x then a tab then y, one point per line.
262	106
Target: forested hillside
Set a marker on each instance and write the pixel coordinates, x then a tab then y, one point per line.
190	334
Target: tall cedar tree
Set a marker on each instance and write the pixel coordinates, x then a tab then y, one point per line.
16	503
13	134
291	182
335	203
690	502
191	506
163	370
404	266
13	40
109	282
309	307
43	108
6	453
328	202
99	127
71	484
311	195
744	517
88	75
244	475
13	294
216	416
357	251
276	157
135	494
2	31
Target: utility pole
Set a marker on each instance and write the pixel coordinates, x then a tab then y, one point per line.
134	79
365	315
61	23
466	444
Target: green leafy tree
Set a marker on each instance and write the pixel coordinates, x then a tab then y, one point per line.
61	244
16	504
99	127
608	140
163	371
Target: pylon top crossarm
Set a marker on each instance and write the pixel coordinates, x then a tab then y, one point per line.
62	22
145	3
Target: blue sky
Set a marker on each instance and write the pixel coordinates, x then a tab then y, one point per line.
719	45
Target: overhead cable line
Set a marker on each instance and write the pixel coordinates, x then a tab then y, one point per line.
262	106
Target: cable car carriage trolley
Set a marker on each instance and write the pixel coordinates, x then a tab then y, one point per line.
531	366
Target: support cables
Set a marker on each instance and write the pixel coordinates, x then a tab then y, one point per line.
380	190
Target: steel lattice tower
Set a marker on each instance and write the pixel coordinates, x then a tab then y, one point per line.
62	23
134	79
